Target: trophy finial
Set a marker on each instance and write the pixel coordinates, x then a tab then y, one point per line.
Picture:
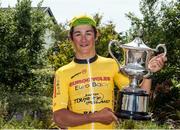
140	32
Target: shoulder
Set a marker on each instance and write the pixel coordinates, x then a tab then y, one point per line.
101	58
109	62
105	59
65	67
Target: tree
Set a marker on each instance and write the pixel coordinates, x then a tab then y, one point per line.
61	52
21	36
24	85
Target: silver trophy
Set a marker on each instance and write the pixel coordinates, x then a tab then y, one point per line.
132	102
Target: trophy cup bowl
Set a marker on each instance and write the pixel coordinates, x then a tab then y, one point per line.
132	101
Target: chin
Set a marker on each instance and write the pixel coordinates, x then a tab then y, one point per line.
85	53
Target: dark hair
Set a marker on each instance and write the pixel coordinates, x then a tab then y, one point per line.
72	30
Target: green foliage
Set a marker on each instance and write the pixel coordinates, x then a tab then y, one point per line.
61	32
21	40
132	124
25	81
25	112
107	33
165	103
62	55
170	25
26	123
61	52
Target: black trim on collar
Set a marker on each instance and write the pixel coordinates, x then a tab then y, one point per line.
85	61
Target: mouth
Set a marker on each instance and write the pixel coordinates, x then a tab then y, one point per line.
84	45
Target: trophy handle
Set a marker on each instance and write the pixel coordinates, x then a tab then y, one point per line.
164	48
110	52
149	73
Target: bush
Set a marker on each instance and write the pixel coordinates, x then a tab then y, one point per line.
165	103
27	123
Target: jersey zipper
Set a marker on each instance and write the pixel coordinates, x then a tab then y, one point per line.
91	88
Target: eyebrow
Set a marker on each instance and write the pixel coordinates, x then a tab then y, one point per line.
90	30
76	32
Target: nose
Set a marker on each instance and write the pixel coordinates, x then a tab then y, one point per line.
83	38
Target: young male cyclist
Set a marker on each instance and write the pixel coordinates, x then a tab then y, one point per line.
84	89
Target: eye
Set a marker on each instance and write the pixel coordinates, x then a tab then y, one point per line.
89	33
77	34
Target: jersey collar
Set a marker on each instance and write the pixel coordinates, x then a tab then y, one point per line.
85	61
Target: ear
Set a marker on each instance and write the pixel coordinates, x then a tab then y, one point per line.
69	37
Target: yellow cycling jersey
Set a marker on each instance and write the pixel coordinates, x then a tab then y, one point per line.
87	86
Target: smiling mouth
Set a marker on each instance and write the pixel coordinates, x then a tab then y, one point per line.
84	45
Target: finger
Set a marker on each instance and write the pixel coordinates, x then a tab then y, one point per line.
165	59
159	65
115	117
154	67
152	59
118	122
160	55
152	64
160	61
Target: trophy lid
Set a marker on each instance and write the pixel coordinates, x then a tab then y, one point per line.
136	44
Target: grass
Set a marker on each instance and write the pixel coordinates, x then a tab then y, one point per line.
136	124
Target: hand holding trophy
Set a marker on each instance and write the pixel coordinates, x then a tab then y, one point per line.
132	102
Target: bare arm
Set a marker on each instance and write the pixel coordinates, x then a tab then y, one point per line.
146	85
65	118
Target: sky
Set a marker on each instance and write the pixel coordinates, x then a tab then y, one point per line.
111	10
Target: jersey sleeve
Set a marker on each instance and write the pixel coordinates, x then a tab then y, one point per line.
121	80
60	93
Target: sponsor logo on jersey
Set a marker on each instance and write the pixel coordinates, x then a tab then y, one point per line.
87	85
78	73
87	80
56	88
95	98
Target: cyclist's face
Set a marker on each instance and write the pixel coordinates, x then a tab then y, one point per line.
84	41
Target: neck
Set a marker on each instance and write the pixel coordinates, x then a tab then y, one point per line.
86	61
85	56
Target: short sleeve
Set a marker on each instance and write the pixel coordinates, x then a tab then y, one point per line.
121	80
60	93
